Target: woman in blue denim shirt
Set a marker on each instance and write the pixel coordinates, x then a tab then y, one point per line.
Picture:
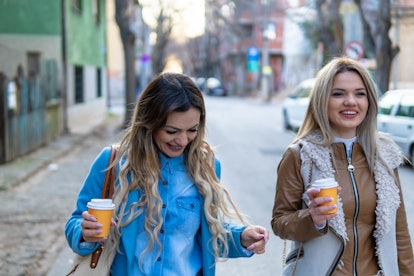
171	212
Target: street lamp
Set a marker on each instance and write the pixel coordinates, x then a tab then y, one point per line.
269	33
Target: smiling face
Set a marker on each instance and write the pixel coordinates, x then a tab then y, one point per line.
348	104
180	129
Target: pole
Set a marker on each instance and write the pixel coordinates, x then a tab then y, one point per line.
266	69
64	69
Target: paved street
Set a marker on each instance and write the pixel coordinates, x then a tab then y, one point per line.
249	141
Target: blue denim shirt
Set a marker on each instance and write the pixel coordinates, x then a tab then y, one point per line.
180	252
125	262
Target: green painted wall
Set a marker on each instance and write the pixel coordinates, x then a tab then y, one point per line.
86	39
30	17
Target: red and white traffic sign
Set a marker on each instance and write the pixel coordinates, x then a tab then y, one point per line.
354	50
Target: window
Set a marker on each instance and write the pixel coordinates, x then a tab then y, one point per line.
387	103
33	63
247	30
77	6
79	84
406	108
98	82
95	11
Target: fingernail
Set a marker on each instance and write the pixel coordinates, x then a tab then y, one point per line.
251	247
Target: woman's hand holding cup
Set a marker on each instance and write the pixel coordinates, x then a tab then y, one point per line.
322	202
97	220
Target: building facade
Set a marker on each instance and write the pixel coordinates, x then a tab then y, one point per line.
70	35
53	71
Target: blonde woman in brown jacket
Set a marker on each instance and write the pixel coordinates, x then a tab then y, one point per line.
368	235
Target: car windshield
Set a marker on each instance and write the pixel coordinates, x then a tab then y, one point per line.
387	103
406	107
303	90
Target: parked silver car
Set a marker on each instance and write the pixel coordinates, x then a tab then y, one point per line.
396	116
295	105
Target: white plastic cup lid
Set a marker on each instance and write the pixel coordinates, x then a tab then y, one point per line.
324	183
101	204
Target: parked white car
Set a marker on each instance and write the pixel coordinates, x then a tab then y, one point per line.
295	105
396	116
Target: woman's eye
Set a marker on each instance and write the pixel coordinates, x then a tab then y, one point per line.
193	130
171	132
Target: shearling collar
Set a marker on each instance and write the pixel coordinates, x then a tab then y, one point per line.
388	199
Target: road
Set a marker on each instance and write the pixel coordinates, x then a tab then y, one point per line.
249	141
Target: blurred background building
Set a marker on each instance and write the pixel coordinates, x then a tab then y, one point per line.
62	63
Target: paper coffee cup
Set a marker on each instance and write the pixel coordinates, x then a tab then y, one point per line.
102	210
327	187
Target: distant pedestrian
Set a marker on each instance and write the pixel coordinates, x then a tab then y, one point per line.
368	235
172	214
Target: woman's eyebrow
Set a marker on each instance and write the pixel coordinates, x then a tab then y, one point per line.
176	128
343	89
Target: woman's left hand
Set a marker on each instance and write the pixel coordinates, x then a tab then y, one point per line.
254	238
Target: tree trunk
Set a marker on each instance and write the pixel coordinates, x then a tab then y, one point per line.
122	16
384	53
330	26
377	15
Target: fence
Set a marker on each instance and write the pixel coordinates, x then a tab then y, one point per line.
30	111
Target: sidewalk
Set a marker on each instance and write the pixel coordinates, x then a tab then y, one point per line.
21	169
36	230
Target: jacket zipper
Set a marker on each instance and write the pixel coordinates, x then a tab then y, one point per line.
356	195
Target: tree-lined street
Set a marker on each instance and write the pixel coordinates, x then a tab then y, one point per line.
249	140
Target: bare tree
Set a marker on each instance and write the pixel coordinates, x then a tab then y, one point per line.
124	12
376	17
163	31
331	29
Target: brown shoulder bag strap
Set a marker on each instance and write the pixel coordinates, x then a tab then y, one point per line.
108	188
107	192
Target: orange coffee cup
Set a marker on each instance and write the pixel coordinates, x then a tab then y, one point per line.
102	210
327	187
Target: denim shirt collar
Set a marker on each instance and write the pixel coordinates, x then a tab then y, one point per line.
171	163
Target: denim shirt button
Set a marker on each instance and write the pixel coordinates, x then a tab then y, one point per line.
162	231
163	206
158	259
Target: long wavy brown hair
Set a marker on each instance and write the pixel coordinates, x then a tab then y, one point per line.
140	164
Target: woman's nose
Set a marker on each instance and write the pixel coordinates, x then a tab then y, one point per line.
349	100
182	139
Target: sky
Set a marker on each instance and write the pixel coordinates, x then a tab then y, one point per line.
190	21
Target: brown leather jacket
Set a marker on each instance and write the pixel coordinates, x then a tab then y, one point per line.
359	203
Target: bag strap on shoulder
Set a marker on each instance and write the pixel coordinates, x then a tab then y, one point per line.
108	188
107	192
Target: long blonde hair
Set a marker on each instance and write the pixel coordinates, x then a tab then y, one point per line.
317	113
140	169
